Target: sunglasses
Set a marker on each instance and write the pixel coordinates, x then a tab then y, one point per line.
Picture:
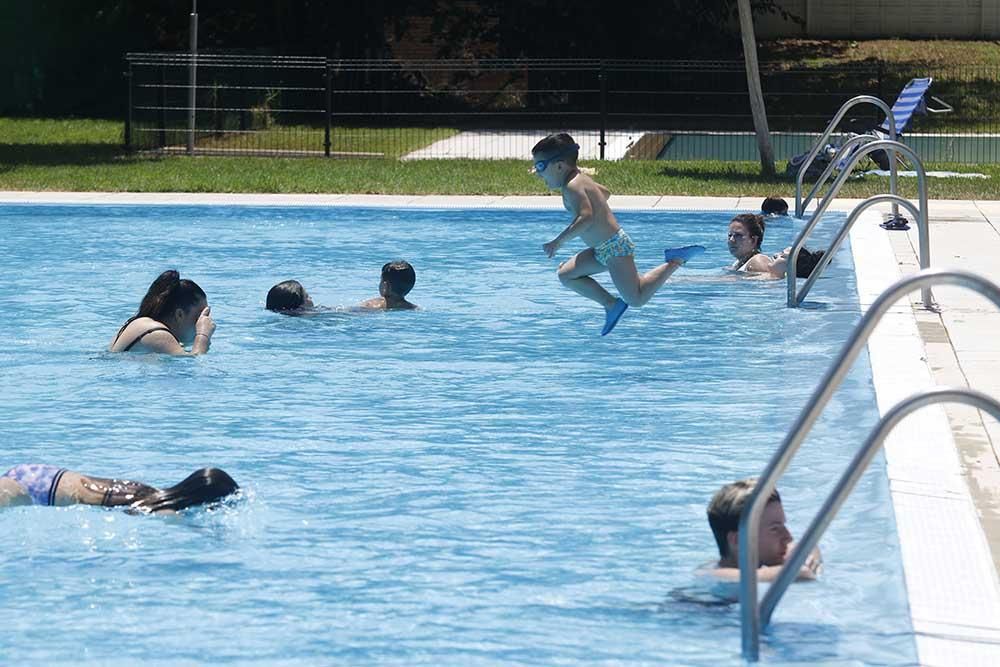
541	165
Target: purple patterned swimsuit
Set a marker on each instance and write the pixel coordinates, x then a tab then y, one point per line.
38	480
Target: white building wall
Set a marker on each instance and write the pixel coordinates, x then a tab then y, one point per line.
952	19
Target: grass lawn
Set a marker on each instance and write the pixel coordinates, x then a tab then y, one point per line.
86	155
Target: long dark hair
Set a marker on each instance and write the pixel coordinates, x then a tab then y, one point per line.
207	485
807	261
286	295
167	293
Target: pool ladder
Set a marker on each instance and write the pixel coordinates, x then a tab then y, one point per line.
754	614
800	203
854	150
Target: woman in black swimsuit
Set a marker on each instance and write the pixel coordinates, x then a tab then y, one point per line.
173	311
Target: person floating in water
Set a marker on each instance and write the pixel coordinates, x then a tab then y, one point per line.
37	484
173	311
610	248
746	233
288	297
398	278
774	542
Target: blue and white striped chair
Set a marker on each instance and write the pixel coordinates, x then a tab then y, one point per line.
912	100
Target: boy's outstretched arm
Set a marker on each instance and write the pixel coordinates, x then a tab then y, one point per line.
584	216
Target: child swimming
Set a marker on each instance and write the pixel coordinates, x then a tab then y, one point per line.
610	248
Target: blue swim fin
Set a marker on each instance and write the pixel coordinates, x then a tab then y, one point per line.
683	254
613	315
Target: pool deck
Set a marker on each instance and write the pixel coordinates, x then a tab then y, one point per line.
943	465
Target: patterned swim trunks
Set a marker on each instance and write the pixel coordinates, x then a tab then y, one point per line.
619	245
39	481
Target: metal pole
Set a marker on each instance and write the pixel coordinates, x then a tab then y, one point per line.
128	111
329	110
192	75
603	81
162	99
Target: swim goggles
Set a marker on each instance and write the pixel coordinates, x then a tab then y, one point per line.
542	165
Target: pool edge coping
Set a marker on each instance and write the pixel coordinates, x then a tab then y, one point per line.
953	591
950	624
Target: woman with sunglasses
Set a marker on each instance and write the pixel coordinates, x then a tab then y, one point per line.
746	233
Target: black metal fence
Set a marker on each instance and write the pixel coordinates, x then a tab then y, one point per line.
493	109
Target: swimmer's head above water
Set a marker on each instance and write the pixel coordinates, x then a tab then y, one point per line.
398	278
746	233
176	302
724	513
774	206
288	296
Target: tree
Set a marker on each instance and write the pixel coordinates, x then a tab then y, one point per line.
753	85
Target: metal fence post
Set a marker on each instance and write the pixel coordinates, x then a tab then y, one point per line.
128	111
603	80
329	110
162	98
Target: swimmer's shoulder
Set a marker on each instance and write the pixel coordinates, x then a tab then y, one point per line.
145	333
131	329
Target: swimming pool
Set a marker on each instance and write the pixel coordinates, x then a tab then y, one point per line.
483	481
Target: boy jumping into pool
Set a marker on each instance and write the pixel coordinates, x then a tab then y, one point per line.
610	249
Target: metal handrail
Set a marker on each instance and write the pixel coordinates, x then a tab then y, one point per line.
800	205
753	616
845	149
795	296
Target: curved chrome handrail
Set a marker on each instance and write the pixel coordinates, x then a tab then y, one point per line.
920	213
845	149
854	101
751	614
857	467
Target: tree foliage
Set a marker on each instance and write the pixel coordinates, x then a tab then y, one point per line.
66	56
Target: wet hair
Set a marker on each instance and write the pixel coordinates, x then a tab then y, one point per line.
167	293
560	144
287	295
400	277
754	223
774	206
118	492
726	507
208	485
807	261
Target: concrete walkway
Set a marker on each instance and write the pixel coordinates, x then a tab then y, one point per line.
962	340
516	145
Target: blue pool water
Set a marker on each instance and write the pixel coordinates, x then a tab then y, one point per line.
484	481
